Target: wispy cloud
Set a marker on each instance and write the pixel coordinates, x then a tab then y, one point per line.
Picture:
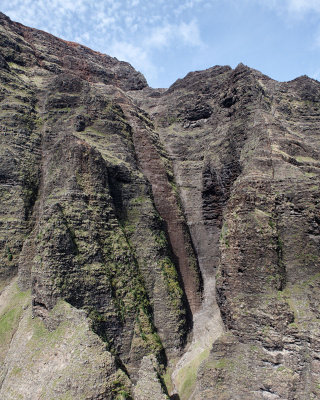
113	17
131	30
148	34
190	33
186	32
303	6
135	55
293	11
190	4
293	8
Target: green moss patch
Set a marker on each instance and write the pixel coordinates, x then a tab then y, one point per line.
10	316
187	376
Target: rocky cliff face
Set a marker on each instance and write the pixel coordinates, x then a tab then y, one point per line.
155	243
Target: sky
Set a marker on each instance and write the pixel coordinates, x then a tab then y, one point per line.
166	39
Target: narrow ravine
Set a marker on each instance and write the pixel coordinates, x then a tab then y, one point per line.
166	204
202	212
207	327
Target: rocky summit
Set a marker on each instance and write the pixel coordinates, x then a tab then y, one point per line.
155	244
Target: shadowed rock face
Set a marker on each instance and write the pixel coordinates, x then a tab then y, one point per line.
80	221
140	215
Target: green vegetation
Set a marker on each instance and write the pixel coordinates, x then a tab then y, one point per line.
140	200
187	376
307	160
75	353
146	331
161	240
224	235
129	293
228	364
9	254
29	175
8	322
147	121
10	316
167	379
271	224
310	174
120	391
307	258
171	277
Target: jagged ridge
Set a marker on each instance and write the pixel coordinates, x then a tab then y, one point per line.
125	202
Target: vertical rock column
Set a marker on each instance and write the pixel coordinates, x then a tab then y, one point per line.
153	166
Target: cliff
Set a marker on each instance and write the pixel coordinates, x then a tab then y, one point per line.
155	242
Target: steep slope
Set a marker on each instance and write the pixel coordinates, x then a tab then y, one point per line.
245	152
79	221
173	228
43	363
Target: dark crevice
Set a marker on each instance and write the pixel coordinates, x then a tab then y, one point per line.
117	177
175	260
217	186
228	102
279	250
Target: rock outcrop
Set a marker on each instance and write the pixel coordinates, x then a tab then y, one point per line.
148	233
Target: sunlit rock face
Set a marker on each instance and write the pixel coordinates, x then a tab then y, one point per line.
148	233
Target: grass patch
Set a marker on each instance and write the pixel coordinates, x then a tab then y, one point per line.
187	376
306	159
167	380
10	317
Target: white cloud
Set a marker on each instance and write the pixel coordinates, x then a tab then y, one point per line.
189	4
160	36
69	5
186	33
296	8
131	30
302	6
136	56
190	33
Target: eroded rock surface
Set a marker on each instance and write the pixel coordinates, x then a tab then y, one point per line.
152	229
245	154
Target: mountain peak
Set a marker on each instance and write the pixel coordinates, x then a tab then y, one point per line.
154	242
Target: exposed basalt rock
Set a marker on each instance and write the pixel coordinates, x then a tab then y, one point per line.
149	382
94	236
248	177
64	355
139	214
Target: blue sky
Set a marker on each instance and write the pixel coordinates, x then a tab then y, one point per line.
166	39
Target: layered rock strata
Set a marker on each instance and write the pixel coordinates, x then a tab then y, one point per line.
143	215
